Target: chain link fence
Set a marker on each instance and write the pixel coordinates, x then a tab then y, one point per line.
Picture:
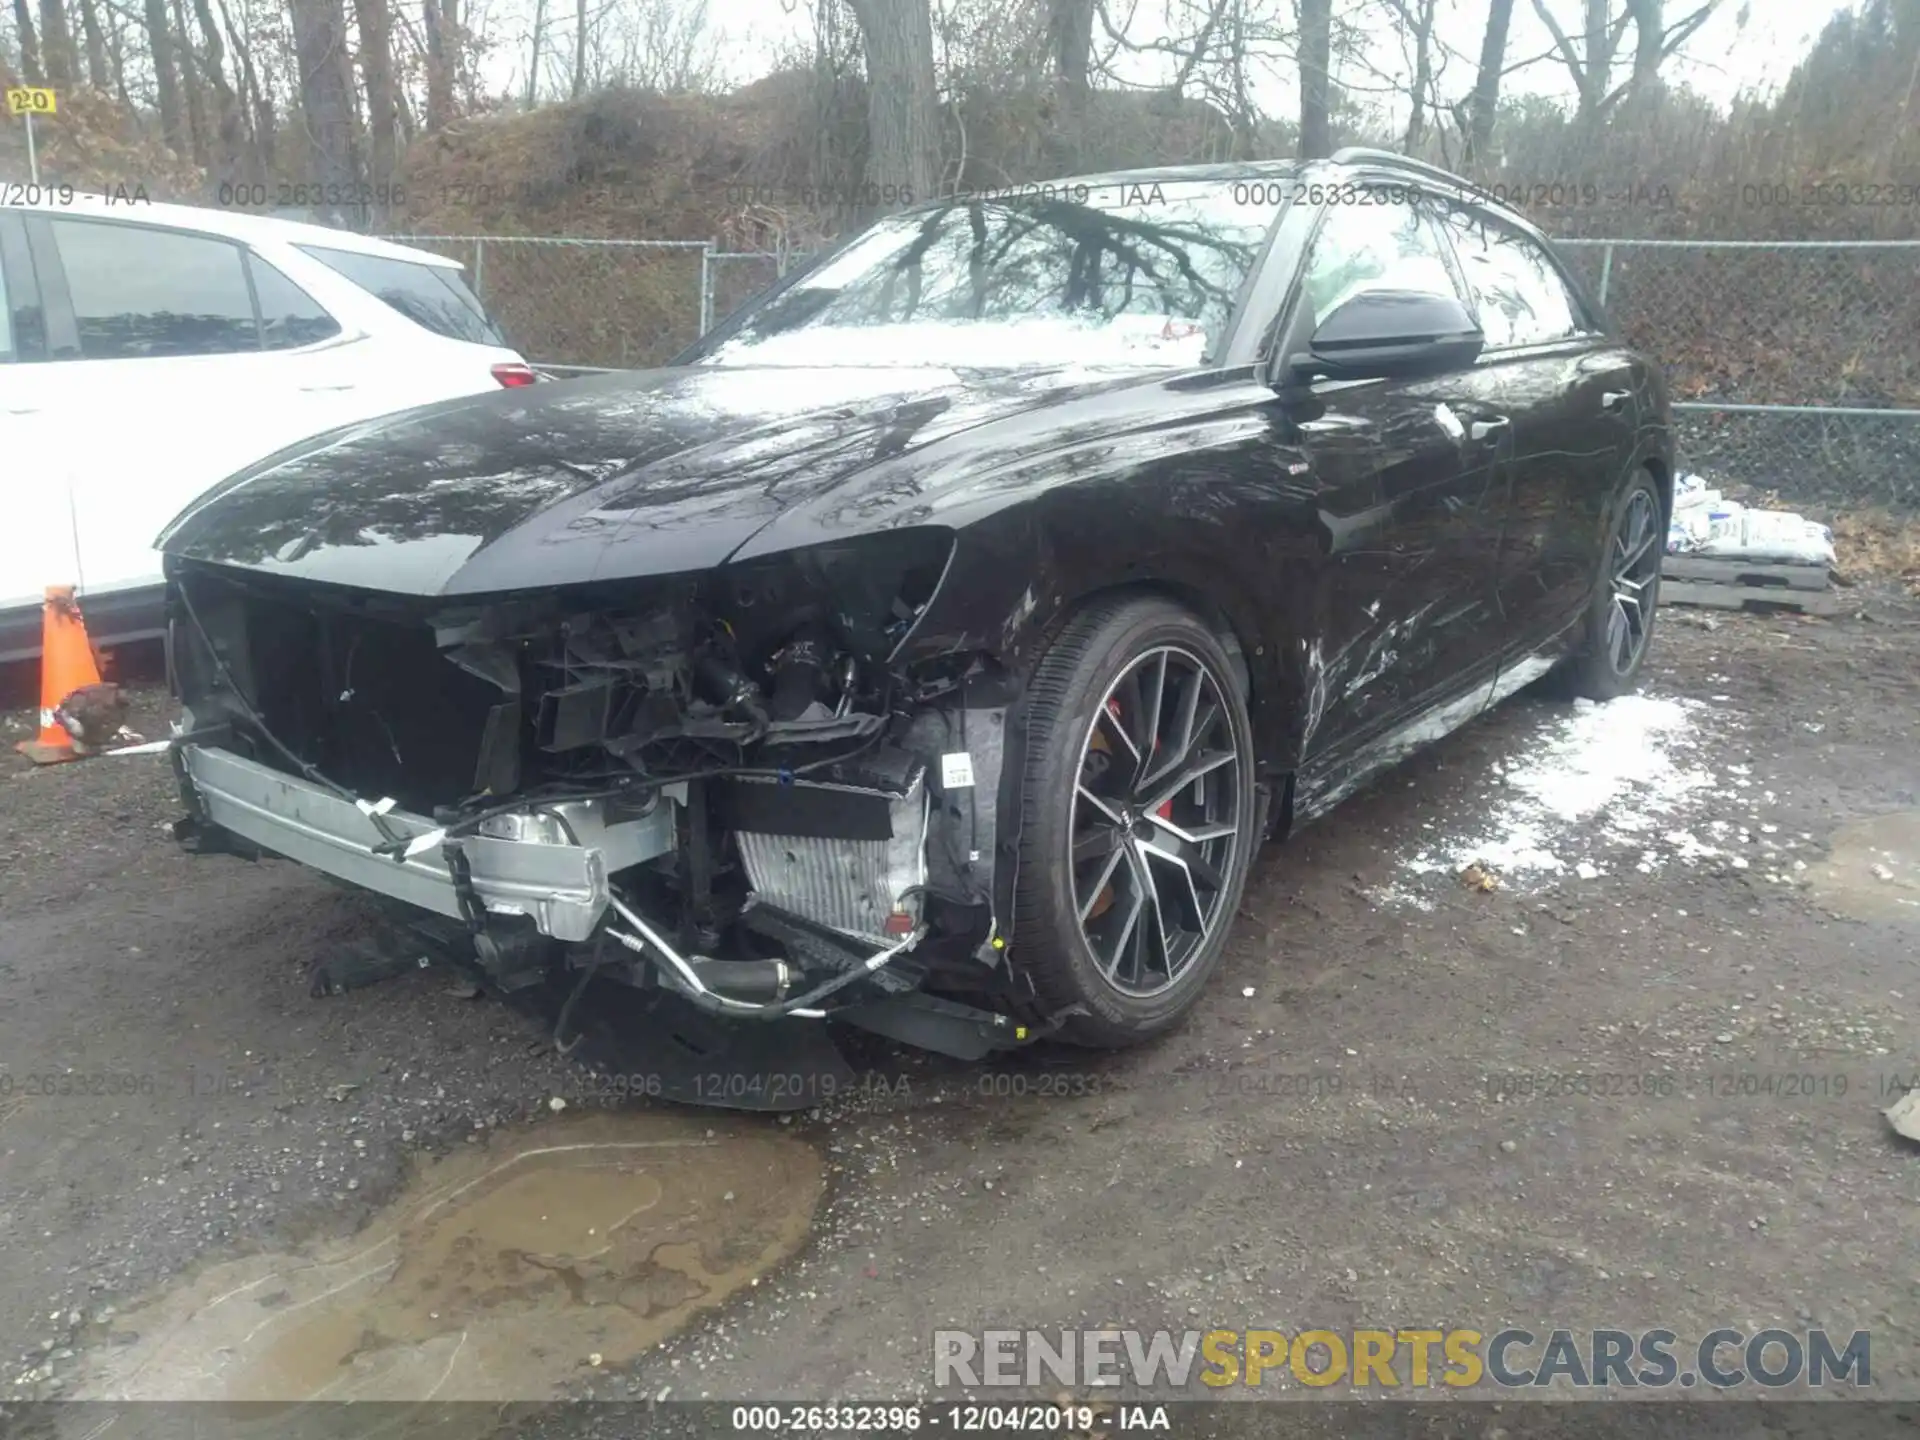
1795	366
604	304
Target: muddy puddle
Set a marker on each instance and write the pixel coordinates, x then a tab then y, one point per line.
500	1273
1873	872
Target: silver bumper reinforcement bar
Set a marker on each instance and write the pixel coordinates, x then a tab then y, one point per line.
559	878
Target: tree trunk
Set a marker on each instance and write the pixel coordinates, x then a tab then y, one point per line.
56	44
1649	32
1422	16
30	68
1316	60
1593	84
903	116
376	69
1486	84
1070	43
256	110
579	48
326	96
533	62
166	83
230	127
440	52
190	87
99	77
117	55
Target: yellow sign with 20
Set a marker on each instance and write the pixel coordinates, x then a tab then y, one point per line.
31	100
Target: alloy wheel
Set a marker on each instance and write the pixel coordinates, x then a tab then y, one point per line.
1635	566
1155	823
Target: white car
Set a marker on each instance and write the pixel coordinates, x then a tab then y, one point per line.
149	351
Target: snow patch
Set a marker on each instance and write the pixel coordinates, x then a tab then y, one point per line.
1607	776
1398	897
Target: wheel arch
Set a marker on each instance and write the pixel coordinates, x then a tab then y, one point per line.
1662	473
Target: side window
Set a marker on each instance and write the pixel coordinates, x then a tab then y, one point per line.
7	355
432	296
23	329
141	293
1382	243
1517	291
289	317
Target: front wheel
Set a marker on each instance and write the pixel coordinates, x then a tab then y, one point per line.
1618	628
1138	819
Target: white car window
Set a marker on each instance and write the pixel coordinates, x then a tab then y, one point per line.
289	317
434	297
21	320
6	319
139	292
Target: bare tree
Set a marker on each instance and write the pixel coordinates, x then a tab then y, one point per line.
376	70
230	126
1316	60
1070	43
166	81
56	44
1590	59
98	75
30	68
533	60
663	45
903	117
440	20
579	48
326	95
258	104
1217	47
190	87
1416	19
1485	100
1655	40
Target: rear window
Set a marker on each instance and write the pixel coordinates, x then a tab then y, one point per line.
432	296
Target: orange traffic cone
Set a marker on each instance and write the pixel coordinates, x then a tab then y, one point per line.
66	665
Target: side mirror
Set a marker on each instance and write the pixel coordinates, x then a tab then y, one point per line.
1379	334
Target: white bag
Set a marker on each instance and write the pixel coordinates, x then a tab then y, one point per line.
1776	536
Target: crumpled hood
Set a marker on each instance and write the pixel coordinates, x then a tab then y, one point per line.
612	477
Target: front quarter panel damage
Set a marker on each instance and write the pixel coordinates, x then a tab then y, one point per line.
867	645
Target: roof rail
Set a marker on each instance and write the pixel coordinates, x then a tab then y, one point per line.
1362	155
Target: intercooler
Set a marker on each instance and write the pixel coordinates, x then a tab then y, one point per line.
863	881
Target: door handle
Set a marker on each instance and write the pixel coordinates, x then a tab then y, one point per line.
1615	399
1488	429
315	389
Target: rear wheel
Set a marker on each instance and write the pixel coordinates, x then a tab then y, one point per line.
1138	819
1618	629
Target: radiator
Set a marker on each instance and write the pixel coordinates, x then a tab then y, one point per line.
852	886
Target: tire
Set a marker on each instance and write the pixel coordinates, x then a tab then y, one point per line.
1602	668
1091	788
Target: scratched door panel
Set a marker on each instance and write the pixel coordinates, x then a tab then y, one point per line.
1410	508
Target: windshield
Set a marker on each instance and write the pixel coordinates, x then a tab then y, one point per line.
1121	274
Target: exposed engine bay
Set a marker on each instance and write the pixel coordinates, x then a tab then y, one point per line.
721	788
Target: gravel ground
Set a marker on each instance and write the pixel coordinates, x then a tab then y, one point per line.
1326	1141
